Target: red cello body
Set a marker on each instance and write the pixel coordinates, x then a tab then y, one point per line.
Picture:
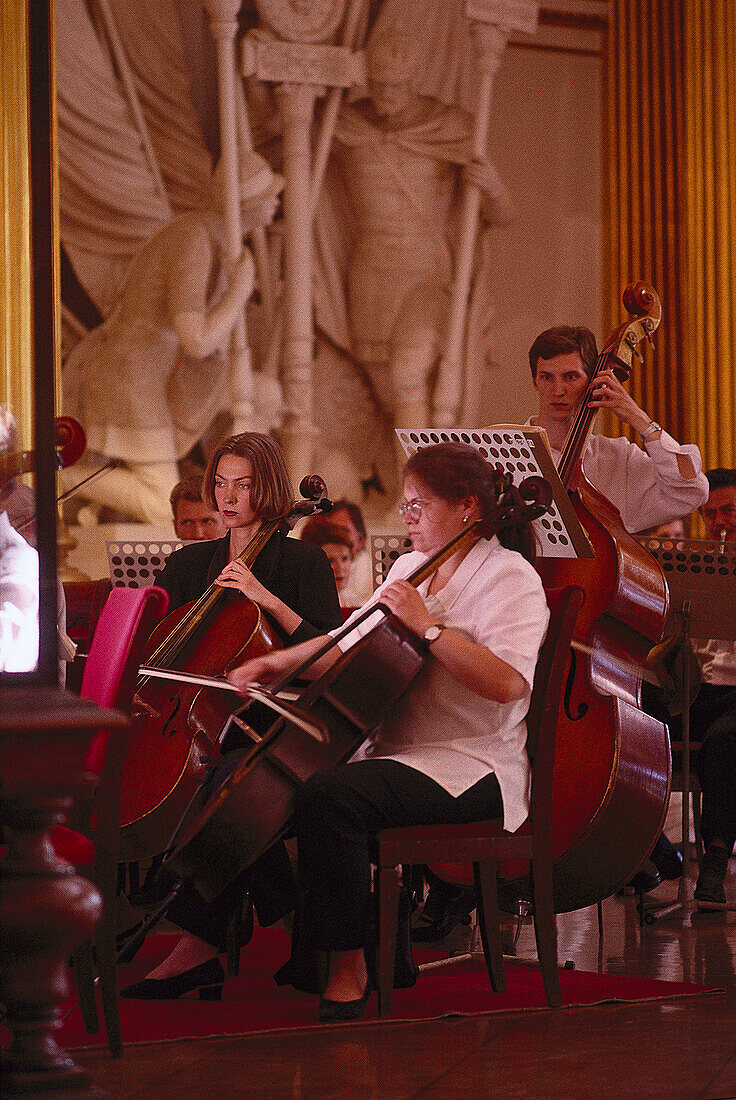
177	726
612	771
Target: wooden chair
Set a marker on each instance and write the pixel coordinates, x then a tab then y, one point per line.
484	843
109	679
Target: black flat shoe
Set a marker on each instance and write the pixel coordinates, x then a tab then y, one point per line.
332	1012
208	978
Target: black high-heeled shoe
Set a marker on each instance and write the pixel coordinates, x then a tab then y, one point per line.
333	1012
208	978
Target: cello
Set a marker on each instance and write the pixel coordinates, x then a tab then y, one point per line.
251	808
612	769
177	728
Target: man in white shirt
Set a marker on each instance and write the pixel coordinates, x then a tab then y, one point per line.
713	715
649	485
652	485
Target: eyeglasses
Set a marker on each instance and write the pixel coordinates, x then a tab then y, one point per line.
412	508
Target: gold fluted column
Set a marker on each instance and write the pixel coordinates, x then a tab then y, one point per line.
643	154
16	338
670	169
709	185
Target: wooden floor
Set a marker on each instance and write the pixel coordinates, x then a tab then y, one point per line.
668	1049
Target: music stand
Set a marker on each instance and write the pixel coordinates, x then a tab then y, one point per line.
700	575
523	451
134	563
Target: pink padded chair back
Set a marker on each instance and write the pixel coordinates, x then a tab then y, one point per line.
117	648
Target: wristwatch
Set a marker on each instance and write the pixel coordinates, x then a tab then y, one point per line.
651	429
432	633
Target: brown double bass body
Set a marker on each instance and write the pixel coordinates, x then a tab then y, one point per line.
612	771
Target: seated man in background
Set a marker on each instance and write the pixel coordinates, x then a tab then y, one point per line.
713	715
193	519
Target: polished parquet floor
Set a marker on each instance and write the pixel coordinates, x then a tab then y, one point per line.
671	1049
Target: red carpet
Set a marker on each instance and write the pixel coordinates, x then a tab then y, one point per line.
252	1002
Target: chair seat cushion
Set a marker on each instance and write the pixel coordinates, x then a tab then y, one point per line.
72	846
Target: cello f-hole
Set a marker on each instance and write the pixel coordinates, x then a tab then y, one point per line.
582	707
166	731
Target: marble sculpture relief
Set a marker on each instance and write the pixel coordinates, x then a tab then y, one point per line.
369	296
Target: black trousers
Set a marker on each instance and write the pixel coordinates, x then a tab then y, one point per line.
713	722
337	813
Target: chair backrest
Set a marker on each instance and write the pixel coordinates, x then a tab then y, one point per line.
125	623
564	605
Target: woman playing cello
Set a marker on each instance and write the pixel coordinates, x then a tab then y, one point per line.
292	582
247	482
453	749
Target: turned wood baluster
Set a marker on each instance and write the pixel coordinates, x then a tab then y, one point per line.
46	909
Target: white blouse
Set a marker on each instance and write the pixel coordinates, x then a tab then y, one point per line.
442	728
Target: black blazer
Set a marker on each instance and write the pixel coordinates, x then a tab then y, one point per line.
296	572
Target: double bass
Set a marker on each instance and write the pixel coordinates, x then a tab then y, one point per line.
612	769
177	726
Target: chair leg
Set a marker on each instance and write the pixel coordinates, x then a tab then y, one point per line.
695	795
105	947
545	931
486	889
84	979
388	918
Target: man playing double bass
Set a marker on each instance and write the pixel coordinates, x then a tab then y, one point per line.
652	484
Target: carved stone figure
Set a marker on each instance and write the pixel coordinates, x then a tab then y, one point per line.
149	380
404	156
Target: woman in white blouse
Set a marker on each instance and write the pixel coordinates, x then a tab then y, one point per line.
454	747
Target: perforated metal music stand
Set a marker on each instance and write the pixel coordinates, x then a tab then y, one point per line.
701	576
134	563
523	451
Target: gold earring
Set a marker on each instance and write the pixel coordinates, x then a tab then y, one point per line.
465	519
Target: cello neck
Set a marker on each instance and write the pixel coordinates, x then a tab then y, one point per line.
431	565
202	608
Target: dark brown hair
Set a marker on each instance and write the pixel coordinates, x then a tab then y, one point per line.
187	488
720	477
353	511
320	531
562	340
453	471
271	493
